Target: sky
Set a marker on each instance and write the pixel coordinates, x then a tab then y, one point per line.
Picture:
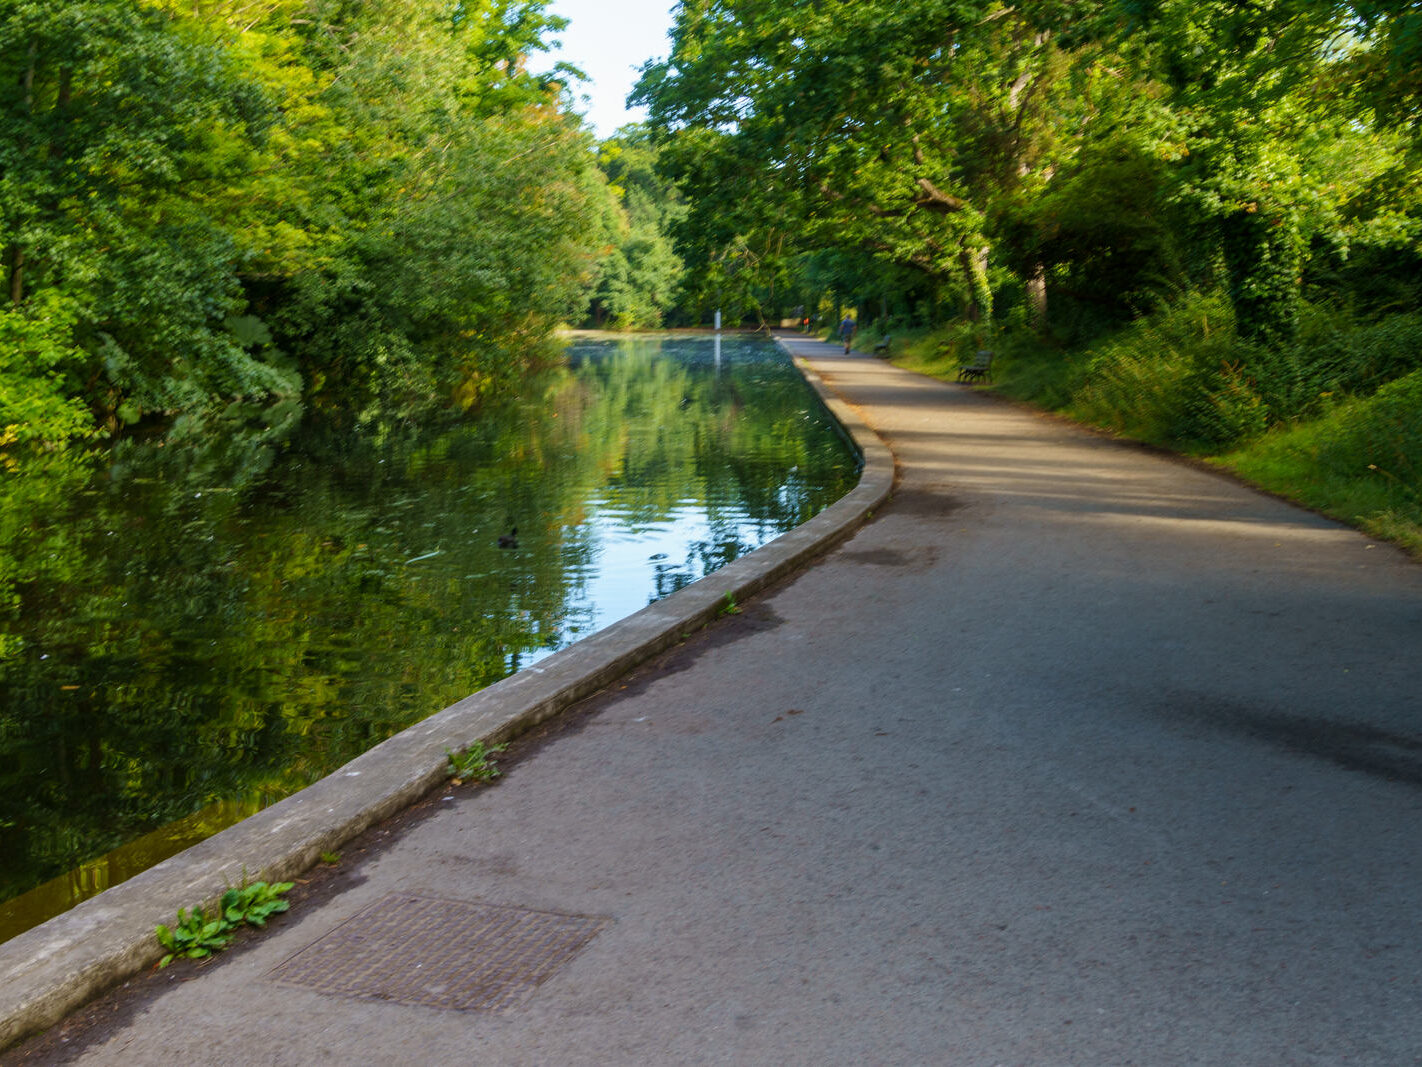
608	40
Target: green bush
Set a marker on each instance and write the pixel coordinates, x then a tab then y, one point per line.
941	351
1219	406
1335	355
1380	435
1172	379
1037	371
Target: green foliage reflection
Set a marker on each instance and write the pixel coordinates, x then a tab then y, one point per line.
230	619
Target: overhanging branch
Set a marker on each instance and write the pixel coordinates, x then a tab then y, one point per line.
935	199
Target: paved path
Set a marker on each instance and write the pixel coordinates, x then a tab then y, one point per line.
1075	755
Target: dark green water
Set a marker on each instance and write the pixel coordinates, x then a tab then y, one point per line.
192	631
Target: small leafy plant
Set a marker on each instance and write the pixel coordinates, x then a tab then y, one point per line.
475	763
196	936
729	605
254	904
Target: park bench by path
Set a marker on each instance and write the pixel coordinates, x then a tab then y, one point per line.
979	370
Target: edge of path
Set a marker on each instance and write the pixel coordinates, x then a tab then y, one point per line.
54	968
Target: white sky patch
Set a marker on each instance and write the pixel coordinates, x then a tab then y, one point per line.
609	41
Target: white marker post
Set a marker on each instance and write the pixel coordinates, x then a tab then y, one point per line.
718	342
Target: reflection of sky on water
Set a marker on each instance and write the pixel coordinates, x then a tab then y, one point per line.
622	561
630	566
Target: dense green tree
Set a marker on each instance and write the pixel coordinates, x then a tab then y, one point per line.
116	119
638	281
37	364
901	130
449	219
371	206
1115	152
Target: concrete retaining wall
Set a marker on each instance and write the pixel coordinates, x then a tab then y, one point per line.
49	971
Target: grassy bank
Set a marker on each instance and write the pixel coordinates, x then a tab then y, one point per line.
1333	422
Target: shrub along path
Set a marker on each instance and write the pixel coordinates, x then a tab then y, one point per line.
1073	755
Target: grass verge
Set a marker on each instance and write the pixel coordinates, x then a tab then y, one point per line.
1361	462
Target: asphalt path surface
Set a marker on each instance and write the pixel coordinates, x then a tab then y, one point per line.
1075	754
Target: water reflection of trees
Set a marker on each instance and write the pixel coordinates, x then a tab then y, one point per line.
230	619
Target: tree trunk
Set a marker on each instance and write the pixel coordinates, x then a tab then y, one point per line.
1037	297
27	79
973	259
15	259
17	273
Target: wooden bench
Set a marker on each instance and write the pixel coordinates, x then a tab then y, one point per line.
979	370
882	348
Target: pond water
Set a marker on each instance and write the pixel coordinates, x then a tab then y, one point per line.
189	632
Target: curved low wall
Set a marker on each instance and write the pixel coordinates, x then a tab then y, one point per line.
49	971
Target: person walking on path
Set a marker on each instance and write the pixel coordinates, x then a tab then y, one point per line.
846	332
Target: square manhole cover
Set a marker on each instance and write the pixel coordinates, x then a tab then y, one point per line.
440	953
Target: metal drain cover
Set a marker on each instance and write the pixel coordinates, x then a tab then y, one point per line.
440	953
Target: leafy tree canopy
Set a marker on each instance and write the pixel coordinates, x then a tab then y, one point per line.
365	206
